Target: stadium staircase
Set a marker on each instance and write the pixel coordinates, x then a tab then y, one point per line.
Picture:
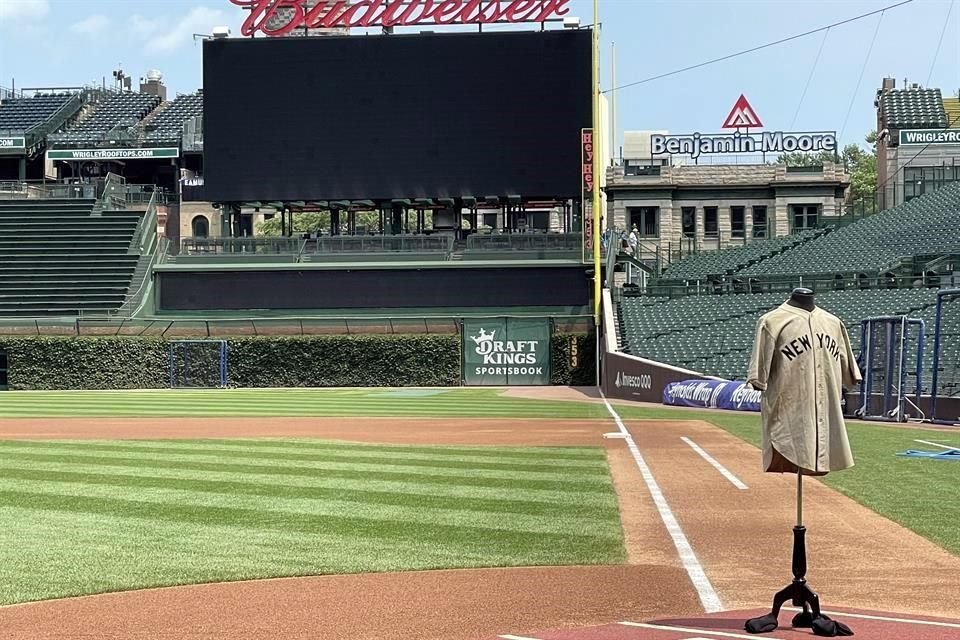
65	257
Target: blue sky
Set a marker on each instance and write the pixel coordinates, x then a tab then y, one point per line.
74	42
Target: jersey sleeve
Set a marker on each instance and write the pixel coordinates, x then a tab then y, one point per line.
851	372
762	357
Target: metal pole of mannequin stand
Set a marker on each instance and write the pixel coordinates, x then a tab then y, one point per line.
798	591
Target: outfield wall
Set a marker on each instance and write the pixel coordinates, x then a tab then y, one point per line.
139	362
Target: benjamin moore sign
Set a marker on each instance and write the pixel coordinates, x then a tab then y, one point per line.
506	351
18	143
930	136
113	154
696	144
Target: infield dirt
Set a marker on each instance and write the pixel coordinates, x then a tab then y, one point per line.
741	537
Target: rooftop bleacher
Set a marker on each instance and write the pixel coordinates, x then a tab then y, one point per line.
22	114
165	126
116	117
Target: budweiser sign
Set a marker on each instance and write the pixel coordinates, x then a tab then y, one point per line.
281	17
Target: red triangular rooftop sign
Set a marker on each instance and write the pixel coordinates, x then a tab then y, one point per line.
742	115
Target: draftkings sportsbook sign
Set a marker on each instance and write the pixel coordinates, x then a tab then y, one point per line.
506	351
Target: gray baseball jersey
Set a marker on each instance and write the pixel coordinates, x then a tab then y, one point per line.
801	361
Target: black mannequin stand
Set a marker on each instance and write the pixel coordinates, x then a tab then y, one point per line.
798	591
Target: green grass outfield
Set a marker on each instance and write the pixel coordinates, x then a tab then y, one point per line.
84	517
81	517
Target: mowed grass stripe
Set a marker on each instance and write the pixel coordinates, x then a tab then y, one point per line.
317	402
533	499
575	456
471	537
557	482
64	555
283	508
506	504
356	455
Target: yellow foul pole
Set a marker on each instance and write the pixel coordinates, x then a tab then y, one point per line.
596	163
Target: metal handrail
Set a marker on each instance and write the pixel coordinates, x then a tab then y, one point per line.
137	297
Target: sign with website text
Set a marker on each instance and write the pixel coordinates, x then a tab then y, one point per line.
506	351
280	17
15	143
930	136
113	154
586	189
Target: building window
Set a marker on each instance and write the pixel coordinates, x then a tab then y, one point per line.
711	226
759	222
737	222
805	216
200	226
688	219
645	219
920	180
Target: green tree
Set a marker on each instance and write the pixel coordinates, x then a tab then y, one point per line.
316	221
860	163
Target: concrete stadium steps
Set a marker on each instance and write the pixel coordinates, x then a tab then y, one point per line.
58	257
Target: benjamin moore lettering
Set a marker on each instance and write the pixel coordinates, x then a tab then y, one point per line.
112	154
697	144
930	136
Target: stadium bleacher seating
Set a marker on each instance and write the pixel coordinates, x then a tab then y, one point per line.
58	258
121	110
714	334
922	226
165	126
927	225
732	259
24	114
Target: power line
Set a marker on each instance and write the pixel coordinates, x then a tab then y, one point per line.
936	53
809	78
758	48
853	98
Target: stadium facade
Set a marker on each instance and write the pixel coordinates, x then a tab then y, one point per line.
695	192
918	147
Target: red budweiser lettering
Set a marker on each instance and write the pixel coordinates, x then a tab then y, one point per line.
390	13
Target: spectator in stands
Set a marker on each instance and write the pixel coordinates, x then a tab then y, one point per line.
633	240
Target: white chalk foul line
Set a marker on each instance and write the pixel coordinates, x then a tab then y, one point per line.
934	444
509	637
864	616
734	480
708	595
719	634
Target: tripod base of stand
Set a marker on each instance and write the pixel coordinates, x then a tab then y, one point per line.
800	595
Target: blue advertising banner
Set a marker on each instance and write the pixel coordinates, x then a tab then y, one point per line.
712	394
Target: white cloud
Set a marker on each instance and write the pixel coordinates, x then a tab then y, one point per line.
197	20
23	9
144	26
90	26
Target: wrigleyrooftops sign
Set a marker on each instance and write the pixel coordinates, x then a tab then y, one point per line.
280	17
742	116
